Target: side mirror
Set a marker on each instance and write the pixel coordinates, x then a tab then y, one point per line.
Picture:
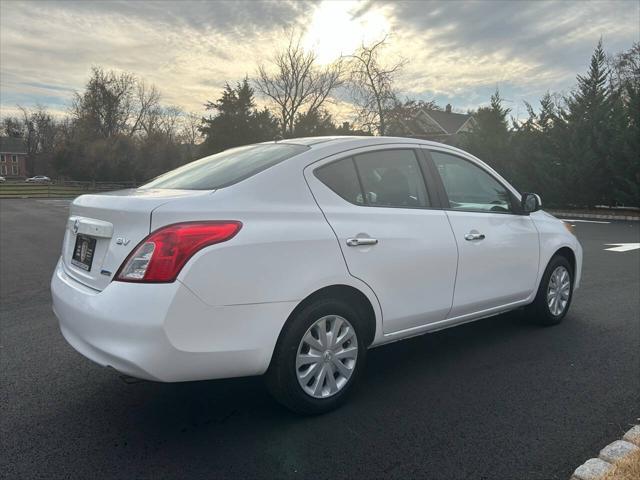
530	202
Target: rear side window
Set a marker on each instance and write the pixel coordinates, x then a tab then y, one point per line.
388	178
226	168
341	177
392	178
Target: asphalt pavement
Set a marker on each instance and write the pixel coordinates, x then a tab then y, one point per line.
495	399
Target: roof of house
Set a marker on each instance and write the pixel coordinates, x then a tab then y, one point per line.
450	122
12	145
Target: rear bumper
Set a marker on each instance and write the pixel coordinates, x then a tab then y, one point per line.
164	332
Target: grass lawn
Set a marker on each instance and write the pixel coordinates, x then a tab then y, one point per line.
629	469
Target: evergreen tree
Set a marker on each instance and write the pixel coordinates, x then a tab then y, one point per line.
590	135
489	138
626	124
314	124
536	146
627	168
237	120
320	123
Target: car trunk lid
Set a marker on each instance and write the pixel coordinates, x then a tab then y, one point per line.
103	229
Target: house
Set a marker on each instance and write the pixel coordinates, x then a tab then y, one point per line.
437	125
13	157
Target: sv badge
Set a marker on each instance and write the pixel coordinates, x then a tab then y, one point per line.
122	241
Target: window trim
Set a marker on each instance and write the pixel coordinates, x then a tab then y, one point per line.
365	200
442	191
434	199
432	179
14	158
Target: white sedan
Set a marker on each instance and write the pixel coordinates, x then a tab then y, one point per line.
292	258
38	179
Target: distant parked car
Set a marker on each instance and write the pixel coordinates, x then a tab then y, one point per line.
2	179
38	179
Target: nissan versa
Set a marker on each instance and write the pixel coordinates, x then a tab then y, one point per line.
292	258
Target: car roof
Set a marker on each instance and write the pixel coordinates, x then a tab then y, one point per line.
337	144
345	140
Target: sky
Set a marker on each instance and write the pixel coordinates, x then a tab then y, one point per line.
458	52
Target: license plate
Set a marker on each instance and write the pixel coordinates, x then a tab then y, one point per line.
83	252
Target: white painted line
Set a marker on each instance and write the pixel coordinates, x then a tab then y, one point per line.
623	247
582	221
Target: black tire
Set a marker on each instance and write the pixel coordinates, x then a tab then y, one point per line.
539	311
281	378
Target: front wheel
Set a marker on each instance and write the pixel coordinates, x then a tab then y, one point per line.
554	294
318	358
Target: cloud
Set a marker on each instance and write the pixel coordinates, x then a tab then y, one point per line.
226	16
461	48
188	56
458	51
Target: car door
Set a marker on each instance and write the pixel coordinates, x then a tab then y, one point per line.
498	246
391	231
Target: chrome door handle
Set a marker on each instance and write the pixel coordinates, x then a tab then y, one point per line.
355	242
474	236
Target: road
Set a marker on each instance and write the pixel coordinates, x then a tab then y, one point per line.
496	399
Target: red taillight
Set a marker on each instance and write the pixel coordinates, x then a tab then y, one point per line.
160	257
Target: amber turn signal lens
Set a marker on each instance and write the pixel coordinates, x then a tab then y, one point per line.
570	227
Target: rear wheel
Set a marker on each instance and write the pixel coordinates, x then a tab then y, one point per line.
554	294
318	358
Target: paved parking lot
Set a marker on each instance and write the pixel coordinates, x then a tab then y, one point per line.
497	399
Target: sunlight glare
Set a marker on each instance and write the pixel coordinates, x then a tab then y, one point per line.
335	30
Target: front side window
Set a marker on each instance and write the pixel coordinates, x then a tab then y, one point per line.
392	178
469	187
226	168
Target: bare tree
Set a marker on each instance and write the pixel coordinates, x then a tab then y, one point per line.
372	85
146	108
190	132
297	84
11	127
40	132
105	107
116	104
625	69
171	120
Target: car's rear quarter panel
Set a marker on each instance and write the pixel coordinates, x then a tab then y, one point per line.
284	252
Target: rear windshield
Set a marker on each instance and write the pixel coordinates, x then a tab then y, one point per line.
226	168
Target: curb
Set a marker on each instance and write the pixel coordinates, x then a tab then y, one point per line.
597	468
598	216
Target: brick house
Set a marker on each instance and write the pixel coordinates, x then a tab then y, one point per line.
13	157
